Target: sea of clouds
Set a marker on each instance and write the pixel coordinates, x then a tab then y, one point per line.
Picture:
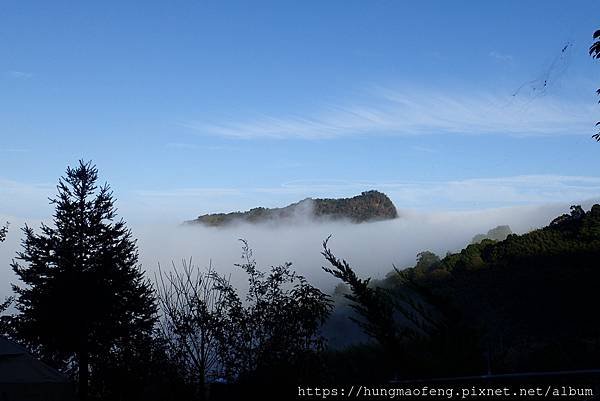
371	248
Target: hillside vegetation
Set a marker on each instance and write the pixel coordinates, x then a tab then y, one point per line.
527	303
368	206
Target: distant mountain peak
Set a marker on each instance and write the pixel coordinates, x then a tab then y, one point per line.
368	206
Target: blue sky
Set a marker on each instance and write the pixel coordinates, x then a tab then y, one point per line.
190	107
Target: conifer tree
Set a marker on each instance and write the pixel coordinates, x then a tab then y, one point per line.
84	294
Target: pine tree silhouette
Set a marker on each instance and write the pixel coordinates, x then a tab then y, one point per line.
84	292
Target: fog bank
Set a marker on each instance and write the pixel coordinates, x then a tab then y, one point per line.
371	248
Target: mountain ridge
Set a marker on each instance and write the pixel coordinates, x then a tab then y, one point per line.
368	206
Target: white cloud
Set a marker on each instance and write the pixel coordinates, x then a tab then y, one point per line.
370	248
191	146
178	204
461	194
425	206
494	192
419	112
19	74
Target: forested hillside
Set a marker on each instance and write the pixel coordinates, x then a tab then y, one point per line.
527	303
368	206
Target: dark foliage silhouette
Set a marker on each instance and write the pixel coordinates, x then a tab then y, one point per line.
522	304
275	334
506	298
373	304
276	331
215	336
4	320
595	53
83	300
191	324
141	370
397	317
3	231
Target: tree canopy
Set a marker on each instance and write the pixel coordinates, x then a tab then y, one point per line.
83	295
494	305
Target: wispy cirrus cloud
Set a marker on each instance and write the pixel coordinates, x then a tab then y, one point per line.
514	190
501	191
192	146
460	194
188	192
519	189
178	204
19	74
418	112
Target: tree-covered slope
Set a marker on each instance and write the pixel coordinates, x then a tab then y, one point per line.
368	206
572	234
524	304
533	297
